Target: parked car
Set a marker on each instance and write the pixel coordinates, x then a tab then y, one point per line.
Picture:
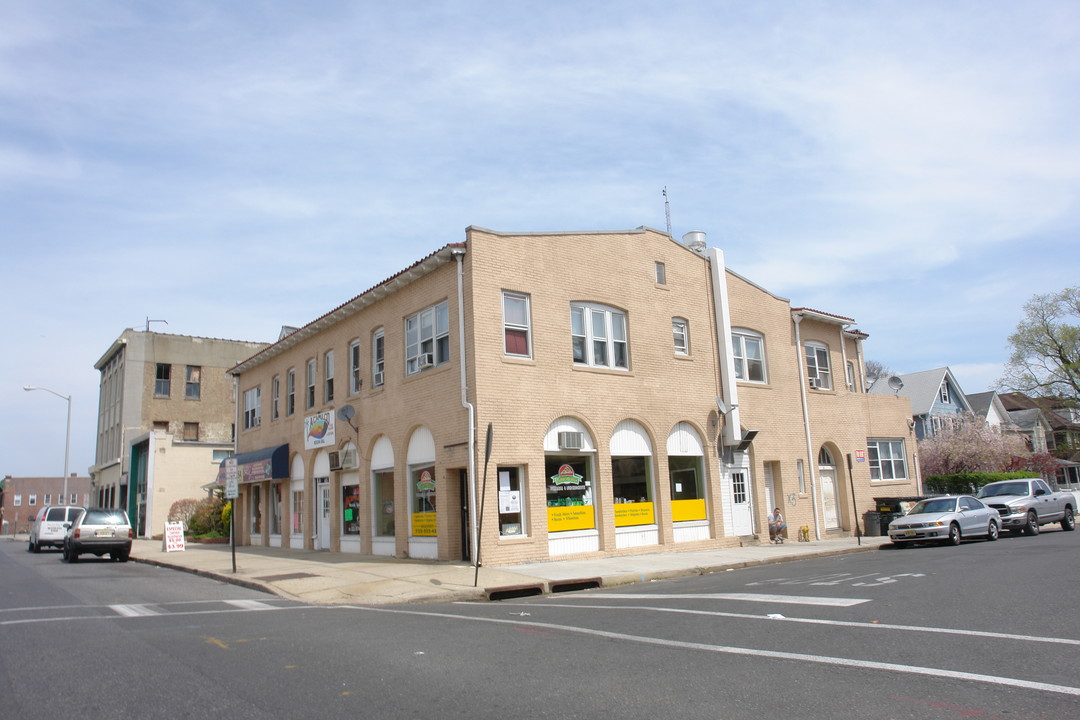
48	529
99	531
948	519
1027	503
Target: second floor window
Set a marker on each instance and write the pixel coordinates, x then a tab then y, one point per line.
427	339
378	356
680	329
328	376
193	382
887	459
275	392
516	339
354	367
252	408
163	379
943	395
290	392
749	351
599	336
309	399
817	366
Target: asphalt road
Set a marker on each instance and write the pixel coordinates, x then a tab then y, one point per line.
985	630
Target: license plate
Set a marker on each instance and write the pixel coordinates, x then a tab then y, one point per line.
103	533
910	533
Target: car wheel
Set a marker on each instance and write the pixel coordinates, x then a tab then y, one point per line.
31	547
954	535
120	555
1069	521
1032	526
992	531
70	555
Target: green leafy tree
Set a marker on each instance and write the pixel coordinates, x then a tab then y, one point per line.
1045	360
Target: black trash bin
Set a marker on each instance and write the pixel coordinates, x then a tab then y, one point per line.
887	518
872	524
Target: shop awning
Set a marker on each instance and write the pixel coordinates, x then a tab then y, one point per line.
270	463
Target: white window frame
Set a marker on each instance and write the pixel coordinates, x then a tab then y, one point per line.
309	379
48	499
355	380
850	376
661	273
33	499
818	365
17	501
896	459
378	358
743	360
252	408
943	392
680	330
427	335
328	377
290	392
522	325
275	396
588	344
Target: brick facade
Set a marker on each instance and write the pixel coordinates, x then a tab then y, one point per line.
654	464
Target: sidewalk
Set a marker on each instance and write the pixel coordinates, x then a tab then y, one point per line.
346	578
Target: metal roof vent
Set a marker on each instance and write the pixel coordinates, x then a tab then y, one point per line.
695	240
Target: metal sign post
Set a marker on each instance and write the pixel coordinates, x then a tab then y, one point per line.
483	493
232	491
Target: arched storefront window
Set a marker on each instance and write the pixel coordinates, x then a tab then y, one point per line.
632	475
686	473
568	472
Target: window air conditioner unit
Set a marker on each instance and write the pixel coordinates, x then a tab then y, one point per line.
424	361
815	383
335	460
377	379
570	440
349	461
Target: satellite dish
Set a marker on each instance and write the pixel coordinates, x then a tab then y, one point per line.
346	413
896	383
721	406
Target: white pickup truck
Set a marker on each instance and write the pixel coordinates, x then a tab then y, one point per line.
1027	503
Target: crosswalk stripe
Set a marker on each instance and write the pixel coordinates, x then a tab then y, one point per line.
250	605
134	610
747	597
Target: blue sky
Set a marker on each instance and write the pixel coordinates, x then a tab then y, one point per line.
231	167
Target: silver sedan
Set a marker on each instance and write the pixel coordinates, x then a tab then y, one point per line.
948	519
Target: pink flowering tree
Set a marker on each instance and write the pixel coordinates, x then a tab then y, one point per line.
972	446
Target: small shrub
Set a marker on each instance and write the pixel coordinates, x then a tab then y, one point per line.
183	510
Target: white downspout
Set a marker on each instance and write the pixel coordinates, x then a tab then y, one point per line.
474	535
811	458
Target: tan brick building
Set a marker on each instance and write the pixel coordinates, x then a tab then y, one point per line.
616	421
166	417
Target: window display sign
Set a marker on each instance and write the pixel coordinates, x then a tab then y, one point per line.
627	514
684	510
423	518
569	495
319	431
350	510
572	517
423	525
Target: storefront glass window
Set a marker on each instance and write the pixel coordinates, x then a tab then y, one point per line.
631	489
569	493
511	502
275	509
297	512
384	504
423	507
350	510
687	488
256	510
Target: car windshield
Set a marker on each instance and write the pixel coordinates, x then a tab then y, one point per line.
1016	488
104	517
935	506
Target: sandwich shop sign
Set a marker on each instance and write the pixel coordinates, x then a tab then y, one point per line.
319	430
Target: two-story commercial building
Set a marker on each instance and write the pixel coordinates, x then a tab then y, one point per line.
539	395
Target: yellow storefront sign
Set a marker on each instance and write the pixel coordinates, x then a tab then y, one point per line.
573	517
683	510
634	514
423	525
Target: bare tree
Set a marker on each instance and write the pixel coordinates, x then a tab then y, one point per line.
1045	358
876	370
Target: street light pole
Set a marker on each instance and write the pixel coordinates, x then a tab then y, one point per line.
67	441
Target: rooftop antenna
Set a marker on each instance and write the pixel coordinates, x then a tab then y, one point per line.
148	321
667	210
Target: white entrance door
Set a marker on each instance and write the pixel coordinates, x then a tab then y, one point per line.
742	521
770	490
324	516
828	496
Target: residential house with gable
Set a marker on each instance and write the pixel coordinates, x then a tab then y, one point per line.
937	401
987	407
1054	428
488	400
